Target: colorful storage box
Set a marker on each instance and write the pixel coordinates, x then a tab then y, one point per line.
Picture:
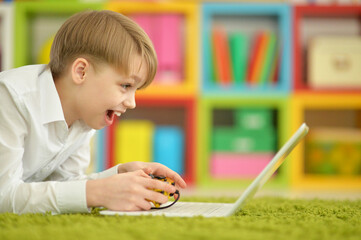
335	62
243	141
333	152
253	119
169	147
233	165
134	141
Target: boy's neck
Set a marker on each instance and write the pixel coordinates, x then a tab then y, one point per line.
64	89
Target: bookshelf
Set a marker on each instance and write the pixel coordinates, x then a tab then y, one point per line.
339	111
36	22
221	101
187	86
246	19
6	41
329	110
211	108
178	113
170	102
317	21
197	100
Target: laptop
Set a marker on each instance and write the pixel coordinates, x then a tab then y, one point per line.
191	209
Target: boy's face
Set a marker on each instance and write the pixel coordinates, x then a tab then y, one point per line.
107	93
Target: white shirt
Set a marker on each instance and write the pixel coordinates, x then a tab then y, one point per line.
42	161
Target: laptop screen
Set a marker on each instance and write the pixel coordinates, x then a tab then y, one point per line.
271	167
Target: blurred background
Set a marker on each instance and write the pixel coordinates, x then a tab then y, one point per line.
235	80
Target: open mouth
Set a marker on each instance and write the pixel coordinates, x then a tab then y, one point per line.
110	115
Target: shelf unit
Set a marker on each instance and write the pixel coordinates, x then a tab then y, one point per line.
6	41
303	102
312	21
206	108
309	22
31	18
36	22
275	18
183	111
159	96
248	19
197	97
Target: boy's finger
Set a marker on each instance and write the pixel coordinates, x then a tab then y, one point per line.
156	196
177	179
156	184
172	175
142	173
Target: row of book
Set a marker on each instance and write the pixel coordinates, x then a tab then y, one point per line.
240	59
166	33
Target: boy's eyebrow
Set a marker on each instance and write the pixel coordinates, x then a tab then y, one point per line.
136	78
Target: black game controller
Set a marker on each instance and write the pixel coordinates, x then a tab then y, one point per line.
169	181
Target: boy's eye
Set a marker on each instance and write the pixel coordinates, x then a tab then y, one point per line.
125	86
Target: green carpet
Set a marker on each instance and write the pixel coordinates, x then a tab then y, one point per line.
262	218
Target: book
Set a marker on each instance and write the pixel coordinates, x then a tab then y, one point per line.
147	23
212	61
168	30
269	59
274	74
259	58
221	56
239	51
252	57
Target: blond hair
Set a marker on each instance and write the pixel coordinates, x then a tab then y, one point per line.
102	37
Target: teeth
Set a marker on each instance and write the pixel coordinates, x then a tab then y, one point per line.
117	113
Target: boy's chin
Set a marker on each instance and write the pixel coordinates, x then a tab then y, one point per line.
96	126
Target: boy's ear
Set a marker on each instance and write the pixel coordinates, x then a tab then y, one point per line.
79	69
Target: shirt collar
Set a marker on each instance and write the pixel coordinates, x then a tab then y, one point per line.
51	109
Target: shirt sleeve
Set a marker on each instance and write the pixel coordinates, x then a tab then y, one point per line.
16	195
72	194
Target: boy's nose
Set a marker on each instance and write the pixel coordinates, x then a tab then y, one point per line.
130	101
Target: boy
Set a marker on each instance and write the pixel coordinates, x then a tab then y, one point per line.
98	60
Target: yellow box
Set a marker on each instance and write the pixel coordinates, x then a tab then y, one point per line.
334	62
134	141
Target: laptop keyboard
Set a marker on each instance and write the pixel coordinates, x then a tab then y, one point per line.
183	209
194	209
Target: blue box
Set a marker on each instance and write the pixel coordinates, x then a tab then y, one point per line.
169	147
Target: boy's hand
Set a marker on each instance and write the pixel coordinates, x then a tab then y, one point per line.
153	168
130	191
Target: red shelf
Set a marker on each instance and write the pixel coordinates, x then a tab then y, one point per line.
189	123
302	12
